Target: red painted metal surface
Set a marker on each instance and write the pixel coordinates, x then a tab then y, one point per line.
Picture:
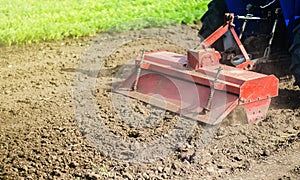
180	96
210	40
166	81
257	110
203	57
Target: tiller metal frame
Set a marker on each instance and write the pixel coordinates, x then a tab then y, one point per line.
197	86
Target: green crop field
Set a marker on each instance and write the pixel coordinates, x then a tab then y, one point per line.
27	21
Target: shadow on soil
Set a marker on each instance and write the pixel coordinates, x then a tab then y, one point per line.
287	99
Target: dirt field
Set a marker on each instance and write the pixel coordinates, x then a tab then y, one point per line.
56	100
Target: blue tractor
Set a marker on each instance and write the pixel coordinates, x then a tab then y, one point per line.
269	30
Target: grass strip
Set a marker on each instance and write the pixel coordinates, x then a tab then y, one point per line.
27	21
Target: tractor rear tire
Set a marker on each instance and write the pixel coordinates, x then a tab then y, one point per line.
295	51
213	18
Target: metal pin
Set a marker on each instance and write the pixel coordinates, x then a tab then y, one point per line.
139	71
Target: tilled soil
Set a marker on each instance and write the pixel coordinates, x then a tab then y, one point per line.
60	119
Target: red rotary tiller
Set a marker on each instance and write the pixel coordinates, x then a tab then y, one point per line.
197	86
